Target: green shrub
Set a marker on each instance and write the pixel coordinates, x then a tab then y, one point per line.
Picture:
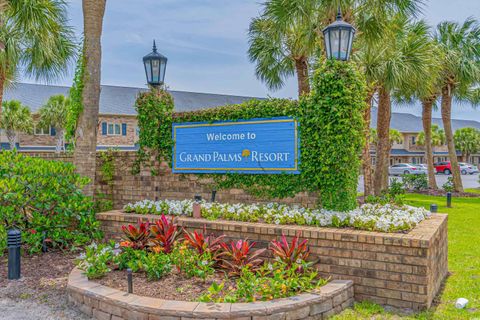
156	265
448	186
130	259
96	260
415	182
45	197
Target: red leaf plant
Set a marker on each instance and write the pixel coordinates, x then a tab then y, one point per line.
136	238
164	234
202	243
290	253
239	254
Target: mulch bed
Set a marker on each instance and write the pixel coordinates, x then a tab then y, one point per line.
173	286
48	271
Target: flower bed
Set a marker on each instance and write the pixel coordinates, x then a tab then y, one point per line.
372	217
233	271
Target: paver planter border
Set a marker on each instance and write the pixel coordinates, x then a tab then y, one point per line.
101	302
401	270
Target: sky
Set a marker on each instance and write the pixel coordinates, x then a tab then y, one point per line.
206	44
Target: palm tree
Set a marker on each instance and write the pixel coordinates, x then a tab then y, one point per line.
403	62
431	136
86	134
14	119
467	141
289	32
35	39
55	114
281	52
460	47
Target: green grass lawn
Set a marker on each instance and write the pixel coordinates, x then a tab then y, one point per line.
463	264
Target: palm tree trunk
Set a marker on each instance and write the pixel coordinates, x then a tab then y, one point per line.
11	136
447	126
60	145
301	66
383	145
2	87
86	134
427	105
366	157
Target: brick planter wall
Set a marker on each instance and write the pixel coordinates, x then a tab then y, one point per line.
398	270
104	303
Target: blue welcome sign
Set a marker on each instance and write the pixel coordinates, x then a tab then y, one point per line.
256	146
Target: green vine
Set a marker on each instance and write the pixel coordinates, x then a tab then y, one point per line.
104	202
76	105
330	133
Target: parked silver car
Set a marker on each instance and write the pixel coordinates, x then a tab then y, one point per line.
405	168
467	168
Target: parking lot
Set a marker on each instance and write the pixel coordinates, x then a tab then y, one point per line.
469	181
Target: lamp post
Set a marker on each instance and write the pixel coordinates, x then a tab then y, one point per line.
338	37
155	65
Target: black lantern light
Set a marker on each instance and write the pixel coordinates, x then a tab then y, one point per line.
338	38
155	65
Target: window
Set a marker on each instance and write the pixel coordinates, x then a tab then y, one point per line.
414	140
39	131
113	129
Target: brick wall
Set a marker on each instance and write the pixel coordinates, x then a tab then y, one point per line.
129	188
398	270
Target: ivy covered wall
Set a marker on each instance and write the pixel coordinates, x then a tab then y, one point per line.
330	131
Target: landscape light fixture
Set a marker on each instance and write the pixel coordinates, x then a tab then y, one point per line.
155	66
338	37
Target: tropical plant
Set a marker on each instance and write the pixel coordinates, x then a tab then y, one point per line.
403	60
202	243
156	265
136	238
279	51
15	118
459	45
130	258
35	39
84	156
43	197
240	254
97	260
164	234
430	139
290	253
55	114
191	263
467	141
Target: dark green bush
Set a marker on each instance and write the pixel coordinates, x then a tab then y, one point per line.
415	182
42	197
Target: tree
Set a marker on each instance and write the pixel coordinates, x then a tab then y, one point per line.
14	119
281	52
35	39
403	61
86	134
467	141
289	33
55	114
431	137
460	48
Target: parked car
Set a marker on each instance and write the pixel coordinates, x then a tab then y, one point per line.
443	167
467	168
405	168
